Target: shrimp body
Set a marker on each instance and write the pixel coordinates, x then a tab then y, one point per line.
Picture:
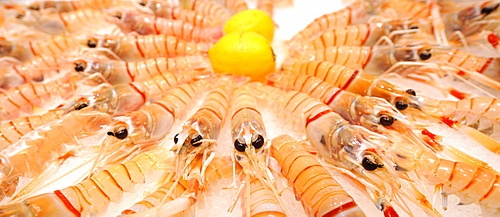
65	22
72	5
213	10
134	48
313	185
143	24
481	113
152	122
356	13
262	202
38	69
117	72
23	99
54	46
93	196
196	18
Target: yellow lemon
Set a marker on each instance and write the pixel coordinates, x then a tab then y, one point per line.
243	53
251	21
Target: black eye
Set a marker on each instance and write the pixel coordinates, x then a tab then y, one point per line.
386	120
80	66
425	55
488	10
195	142
239	146
92	43
111	134
19	16
176	138
259	142
121	133
142	3
401	105
413	27
118	15
34	7
411	92
369	165
81	106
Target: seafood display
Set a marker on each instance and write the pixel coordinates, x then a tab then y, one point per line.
376	108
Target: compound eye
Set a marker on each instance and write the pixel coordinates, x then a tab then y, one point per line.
92	43
80	65
239	146
259	142
425	55
488	10
118	15
20	16
196	141
414	27
34	7
81	106
121	133
369	165
142	3
176	138
386	120
400	105
411	92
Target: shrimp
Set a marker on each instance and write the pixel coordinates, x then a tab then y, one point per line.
189	16
351	147
357	12
122	98
54	46
93	196
23	99
248	134
261	201
311	180
66	22
472	19
134	48
218	169
367	34
235	6
117	72
193	144
132	21
481	113
31	156
212	9
13	131
72	5
38	69
408	9
151	123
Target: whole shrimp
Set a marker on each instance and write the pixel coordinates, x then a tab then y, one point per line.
472	19
134	48
251	149
72	5
54	46
311	180
196	18
122	98
132	21
357	12
93	195
22	100
48	148
193	144
38	69
117	71
136	129
219	168
367	34
350	147
64	22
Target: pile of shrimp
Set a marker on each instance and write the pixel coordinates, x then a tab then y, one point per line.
381	108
